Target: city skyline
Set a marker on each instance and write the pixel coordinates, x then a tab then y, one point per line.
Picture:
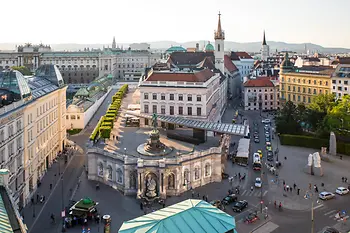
78	22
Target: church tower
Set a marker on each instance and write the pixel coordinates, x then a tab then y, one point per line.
265	49
114	45
219	36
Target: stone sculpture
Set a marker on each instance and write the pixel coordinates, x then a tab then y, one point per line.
317	169
308	167
151	186
332	144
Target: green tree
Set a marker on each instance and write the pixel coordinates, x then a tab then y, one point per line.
287	121
24	70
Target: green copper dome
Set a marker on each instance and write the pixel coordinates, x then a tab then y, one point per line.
209	48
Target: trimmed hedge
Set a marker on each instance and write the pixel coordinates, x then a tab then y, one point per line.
109	115
312	142
96	131
105	131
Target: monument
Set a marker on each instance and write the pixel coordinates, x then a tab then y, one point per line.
332	144
153	146
313	166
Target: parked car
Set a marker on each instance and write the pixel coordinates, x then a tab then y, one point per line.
258	182
256	140
239	206
260	153
229	199
269	148
216	203
224	175
326	195
267	139
330	230
266	121
342	191
251	217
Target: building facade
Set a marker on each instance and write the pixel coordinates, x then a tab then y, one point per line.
33	130
299	85
244	62
261	93
341	81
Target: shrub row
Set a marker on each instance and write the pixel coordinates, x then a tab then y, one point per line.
312	142
105	125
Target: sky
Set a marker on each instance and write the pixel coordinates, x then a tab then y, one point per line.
322	22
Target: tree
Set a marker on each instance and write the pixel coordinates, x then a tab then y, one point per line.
287	122
24	70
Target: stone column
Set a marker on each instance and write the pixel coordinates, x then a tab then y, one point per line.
140	181
162	192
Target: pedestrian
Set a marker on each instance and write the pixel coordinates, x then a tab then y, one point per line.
50	186
298	191
310	186
198	195
32	200
284	187
290	189
164	205
203	198
275	204
37	197
316	189
284	183
141	206
206	198
341	157
192	194
294	185
342	179
345	180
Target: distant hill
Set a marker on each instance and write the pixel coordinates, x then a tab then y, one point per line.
229	45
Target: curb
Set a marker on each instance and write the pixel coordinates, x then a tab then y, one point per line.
260	226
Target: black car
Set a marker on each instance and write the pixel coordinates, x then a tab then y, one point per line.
330	230
239	206
229	199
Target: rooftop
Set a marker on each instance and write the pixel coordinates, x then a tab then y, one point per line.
259	82
71	54
229	65
187	216
236	56
191	76
318	70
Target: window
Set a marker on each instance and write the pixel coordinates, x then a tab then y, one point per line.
315	91
288	88
315	82
199	98
298	80
271	97
339	81
309	81
67	117
207	169
298	97
162	96
196	173
109	172
154	96
100	169
218	47
304	99
171	108
119	176
298	89
72	117
309	99
181	110
345	82
320	83
186	177
334	81
265	97
293	88
309	90
162	109
282	79
171	96
146	109
171	181
189	97
145	96
154	108
181	97
199	111
189	111
304	90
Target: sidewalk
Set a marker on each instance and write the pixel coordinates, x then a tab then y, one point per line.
261	226
52	176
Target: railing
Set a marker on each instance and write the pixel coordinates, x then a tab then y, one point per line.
14	105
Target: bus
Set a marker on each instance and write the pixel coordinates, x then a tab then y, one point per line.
242	155
256	162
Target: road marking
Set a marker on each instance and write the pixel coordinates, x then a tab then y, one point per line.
265	193
266	228
316	207
244	192
257	194
328	213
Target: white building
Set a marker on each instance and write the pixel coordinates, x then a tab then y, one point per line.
261	93
341	81
193	94
316	60
244	62
265	50
32	130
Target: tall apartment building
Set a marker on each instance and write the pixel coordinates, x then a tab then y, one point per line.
32	132
300	84
341	81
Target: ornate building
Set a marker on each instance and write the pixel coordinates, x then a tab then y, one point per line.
265	50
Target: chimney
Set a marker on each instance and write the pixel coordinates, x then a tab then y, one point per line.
197	47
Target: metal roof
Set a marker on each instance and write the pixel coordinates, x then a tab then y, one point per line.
187	216
225	128
5	225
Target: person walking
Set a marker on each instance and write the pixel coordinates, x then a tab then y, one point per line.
310	186
50	186
316	189
37	197
298	191
294	185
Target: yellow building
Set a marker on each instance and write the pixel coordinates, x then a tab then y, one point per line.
299	85
32	127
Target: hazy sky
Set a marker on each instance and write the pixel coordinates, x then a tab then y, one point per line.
75	21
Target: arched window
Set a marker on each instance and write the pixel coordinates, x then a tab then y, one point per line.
171	181
133	177
196	173
109	172
186	176
218	47
100	169
207	169
119	176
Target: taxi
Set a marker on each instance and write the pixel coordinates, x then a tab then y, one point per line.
269	148
260	153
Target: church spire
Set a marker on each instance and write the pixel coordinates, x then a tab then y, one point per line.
219	33
264	39
114	44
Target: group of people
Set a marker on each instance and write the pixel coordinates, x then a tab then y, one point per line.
288	188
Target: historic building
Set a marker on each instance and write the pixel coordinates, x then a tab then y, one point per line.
341	81
244	62
316	60
32	131
265	49
261	93
299	85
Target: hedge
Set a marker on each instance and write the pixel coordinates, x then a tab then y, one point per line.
105	131
109	119
109	115
96	130
107	123
312	142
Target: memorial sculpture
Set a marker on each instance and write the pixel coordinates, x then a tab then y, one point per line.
313	166
151	187
332	144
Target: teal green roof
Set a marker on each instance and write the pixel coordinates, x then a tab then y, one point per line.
209	48
187	216
5	225
176	49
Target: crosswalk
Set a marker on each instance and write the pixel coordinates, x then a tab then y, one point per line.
330	213
255	193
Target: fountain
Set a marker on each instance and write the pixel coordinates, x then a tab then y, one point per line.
153	146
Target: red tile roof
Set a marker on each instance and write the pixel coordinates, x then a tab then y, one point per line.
229	65
259	82
201	76
243	55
